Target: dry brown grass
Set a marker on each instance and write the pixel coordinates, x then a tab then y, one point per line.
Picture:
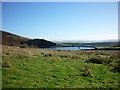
77	54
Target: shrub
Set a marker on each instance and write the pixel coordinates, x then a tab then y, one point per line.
7	53
61	56
49	55
42	53
45	55
58	50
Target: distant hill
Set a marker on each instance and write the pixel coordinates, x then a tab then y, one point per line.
87	41
97	44
16	40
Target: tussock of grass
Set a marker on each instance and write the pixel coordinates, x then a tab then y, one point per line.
86	71
96	60
6	64
99	60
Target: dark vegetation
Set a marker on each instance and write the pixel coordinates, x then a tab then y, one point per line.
117	45
41	43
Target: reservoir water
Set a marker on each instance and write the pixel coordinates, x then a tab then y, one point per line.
70	48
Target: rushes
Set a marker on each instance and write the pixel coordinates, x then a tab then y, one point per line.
99	59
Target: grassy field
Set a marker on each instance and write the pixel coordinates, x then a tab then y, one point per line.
45	68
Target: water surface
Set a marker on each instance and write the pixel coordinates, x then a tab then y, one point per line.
70	48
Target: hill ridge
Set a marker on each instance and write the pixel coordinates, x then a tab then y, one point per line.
11	39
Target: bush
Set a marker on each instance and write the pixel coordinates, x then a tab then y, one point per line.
58	50
49	55
42	53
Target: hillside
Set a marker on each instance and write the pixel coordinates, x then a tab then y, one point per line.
12	39
41	43
16	40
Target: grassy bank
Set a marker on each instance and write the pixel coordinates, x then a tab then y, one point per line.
45	68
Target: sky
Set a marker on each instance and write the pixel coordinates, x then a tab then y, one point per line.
58	21
60	0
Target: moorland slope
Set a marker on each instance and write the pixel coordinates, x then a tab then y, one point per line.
16	40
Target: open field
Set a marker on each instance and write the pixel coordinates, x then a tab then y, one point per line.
46	68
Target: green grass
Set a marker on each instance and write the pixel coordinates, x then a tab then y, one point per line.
55	72
42	68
